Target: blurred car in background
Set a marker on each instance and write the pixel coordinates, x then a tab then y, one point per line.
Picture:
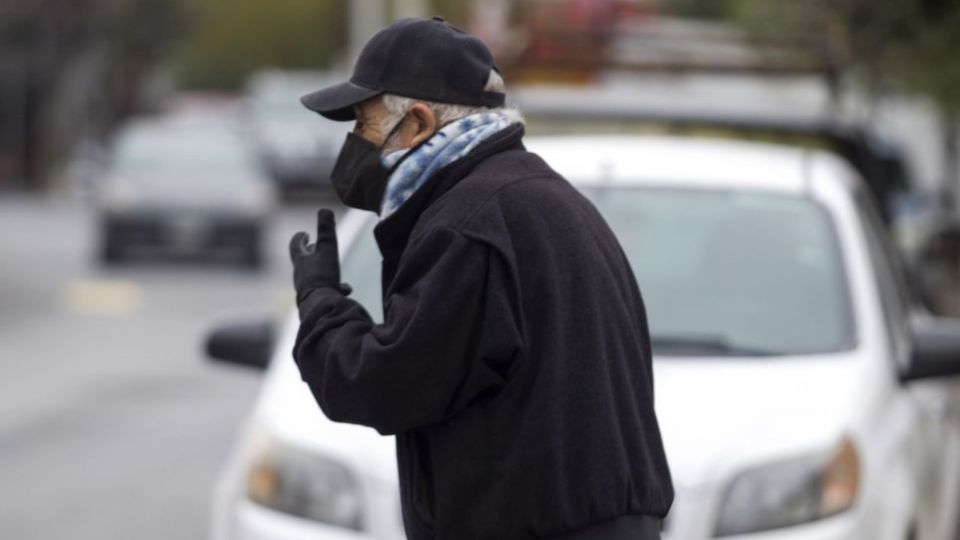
751	110
296	147
799	392
181	187
690	112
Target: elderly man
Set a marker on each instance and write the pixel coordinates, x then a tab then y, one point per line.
513	364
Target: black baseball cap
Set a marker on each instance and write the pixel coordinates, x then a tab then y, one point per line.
417	58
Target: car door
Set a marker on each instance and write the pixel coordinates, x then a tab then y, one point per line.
936	437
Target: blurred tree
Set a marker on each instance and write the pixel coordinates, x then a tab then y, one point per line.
455	11
859	37
928	64
70	71
901	45
232	38
707	9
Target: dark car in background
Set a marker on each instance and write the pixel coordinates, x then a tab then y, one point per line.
179	187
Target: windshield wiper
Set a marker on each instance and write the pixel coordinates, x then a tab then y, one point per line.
708	344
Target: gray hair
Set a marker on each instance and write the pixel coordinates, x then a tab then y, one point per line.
397	106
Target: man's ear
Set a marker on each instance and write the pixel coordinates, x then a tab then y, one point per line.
424	123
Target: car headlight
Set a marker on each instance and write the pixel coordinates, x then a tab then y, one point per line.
306	485
791	492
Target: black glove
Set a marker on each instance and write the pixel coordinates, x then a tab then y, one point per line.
317	265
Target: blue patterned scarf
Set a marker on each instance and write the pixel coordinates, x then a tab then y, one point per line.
447	145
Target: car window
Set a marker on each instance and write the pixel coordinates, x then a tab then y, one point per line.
361	269
733	272
722	272
181	157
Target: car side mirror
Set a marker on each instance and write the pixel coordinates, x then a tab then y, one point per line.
247	344
936	349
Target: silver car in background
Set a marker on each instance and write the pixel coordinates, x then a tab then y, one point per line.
296	148
183	188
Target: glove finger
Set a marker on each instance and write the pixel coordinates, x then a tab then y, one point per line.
326	224
298	244
327	234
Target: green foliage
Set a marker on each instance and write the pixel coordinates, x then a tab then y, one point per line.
230	39
706	9
929	63
455	11
905	44
902	45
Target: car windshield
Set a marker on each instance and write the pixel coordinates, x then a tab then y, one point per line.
722	273
732	272
182	157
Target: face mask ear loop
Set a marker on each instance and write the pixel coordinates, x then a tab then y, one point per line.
410	150
392	132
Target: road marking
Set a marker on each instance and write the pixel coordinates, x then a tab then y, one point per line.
102	297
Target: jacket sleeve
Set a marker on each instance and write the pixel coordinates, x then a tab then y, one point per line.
448	337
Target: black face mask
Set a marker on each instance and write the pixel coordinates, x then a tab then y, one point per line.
359	176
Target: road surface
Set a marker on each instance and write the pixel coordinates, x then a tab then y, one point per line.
112	422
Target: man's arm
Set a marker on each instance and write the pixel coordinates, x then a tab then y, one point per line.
449	336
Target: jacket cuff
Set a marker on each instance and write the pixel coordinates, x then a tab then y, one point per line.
314	298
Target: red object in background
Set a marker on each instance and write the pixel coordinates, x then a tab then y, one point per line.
573	31
568	39
590	14
644	9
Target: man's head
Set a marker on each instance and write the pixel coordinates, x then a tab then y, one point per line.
412	78
394	122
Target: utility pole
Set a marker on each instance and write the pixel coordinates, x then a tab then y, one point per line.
366	17
410	8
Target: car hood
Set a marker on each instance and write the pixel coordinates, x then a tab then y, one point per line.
290	414
718	415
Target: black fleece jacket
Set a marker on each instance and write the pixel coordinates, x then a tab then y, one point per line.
513	363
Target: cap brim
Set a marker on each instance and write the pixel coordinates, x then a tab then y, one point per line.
336	102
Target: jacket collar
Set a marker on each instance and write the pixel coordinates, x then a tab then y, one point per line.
393	232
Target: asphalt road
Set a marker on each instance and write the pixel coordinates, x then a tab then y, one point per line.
112	422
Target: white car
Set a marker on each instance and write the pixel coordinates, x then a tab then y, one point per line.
799	394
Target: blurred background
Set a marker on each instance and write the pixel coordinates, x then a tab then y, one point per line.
154	160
